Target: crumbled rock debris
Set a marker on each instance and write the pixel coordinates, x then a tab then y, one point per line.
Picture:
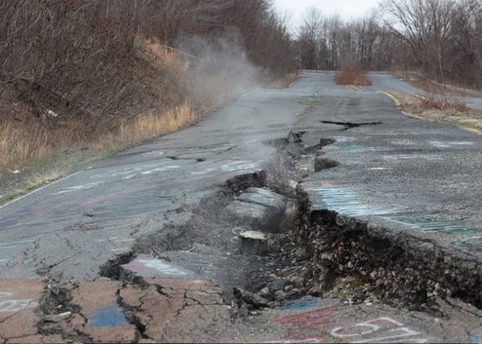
329	255
400	269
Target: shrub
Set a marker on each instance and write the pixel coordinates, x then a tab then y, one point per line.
444	103
352	75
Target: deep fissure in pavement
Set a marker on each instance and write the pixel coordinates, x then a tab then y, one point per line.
313	252
351	125
252	271
131	314
55	310
398	267
395	266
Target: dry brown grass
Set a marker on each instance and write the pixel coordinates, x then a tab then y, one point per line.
20	144
434	102
26	139
23	145
441	109
444	103
351	75
428	86
154	124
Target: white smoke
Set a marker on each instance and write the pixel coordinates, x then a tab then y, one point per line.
218	69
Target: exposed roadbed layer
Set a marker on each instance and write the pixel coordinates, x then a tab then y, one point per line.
399	266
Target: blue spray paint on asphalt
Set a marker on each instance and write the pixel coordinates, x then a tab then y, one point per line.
477	339
301	306
108	317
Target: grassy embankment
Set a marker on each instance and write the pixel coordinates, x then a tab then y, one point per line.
443	105
37	149
440	108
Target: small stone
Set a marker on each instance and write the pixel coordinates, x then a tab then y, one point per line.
274	246
273	304
277	285
301	252
264	292
279	295
284	240
243	310
250	298
297	280
57	317
253	243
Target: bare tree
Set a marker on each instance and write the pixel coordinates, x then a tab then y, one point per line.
329	43
465	46
425	25
80	55
309	38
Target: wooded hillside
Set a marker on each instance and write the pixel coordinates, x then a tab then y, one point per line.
75	70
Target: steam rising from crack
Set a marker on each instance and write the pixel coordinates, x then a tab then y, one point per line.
219	69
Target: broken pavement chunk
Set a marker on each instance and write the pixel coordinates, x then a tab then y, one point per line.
255	301
254	243
265	197
57	317
248	214
257	208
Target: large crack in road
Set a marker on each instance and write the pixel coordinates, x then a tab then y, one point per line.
157	243
351	125
321	254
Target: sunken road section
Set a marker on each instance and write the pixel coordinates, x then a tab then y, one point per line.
400	267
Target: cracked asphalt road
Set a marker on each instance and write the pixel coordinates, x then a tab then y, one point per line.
76	224
421	176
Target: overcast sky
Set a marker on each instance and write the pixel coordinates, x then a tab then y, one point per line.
345	8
